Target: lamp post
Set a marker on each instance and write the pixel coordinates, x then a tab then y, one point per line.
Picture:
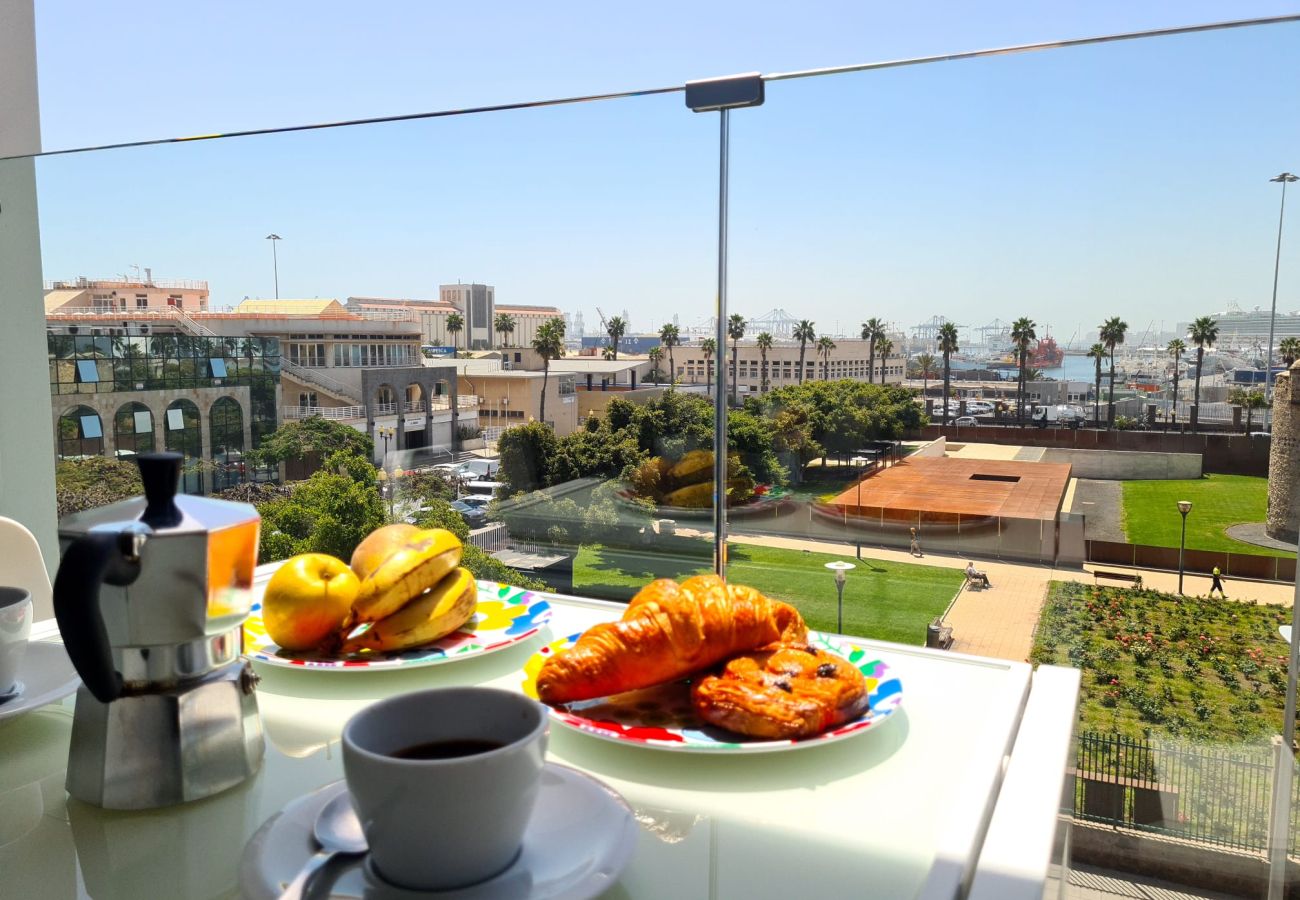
1184	507
839	568
1284	179
275	262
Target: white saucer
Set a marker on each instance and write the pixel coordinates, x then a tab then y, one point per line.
46	674
580	838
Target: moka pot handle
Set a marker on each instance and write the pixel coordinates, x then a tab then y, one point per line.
111	557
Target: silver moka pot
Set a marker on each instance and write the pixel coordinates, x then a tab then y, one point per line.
150	596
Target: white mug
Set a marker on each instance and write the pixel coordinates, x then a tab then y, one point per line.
15	628
444	782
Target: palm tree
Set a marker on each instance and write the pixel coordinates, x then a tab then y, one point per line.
656	355
504	323
1097	352
735	331
764	343
455	325
1022	334
1254	400
824	347
1176	349
804	332
608	352
709	347
1111	334
1290	349
947	347
670	337
872	331
925	362
1204	332
615	328
886	347
549	344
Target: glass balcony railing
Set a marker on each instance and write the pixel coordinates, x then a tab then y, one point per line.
984	325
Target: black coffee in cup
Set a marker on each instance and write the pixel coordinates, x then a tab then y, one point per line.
449	749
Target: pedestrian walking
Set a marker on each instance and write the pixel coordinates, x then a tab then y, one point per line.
1217	584
916	545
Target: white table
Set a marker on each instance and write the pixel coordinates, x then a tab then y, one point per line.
897	811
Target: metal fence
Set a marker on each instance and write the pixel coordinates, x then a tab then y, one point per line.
1216	795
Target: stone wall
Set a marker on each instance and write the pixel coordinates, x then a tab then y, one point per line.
1126	465
1284	460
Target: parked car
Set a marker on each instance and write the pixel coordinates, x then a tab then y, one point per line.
966	420
474	516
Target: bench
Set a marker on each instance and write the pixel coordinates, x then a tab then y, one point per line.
938	636
980	582
1131	578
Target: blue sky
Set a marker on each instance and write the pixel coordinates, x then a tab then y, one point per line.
1067	185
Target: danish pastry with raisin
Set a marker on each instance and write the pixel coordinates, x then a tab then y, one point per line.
782	691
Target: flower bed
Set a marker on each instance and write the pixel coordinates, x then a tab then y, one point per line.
1160	664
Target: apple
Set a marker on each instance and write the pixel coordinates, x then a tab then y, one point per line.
308	599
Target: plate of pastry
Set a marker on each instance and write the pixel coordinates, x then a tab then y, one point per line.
705	666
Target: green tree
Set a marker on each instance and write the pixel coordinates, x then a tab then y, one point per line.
655	355
872	331
1112	333
1289	349
1250	400
330	512
948	344
670	336
925	368
615	328
1203	332
504	323
1022	335
804	332
455	325
1097	353
1176	349
527	453
764	343
735	331
824	347
313	435
709	347
884	346
549	344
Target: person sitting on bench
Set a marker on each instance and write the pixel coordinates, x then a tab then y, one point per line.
973	575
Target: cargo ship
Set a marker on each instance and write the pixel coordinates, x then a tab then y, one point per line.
1045	355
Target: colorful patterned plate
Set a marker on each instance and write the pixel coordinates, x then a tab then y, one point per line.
661	717
506	615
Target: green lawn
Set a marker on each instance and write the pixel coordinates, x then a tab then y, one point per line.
1151	512
1158	664
889	601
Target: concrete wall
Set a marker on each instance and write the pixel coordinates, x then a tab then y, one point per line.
936	447
1125	465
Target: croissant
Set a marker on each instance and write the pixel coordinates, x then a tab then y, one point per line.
668	631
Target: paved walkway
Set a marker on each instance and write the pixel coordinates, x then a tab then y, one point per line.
1087	883
999	621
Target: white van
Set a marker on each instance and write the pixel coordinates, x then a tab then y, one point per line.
483	488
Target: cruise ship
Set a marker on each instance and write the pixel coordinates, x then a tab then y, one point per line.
1239	327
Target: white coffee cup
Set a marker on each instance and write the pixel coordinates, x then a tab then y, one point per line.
437	821
15	628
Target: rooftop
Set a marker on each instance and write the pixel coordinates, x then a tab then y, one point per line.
964	486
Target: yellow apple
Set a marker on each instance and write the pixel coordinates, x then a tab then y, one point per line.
308	599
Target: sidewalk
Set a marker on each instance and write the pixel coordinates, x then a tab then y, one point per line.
1000	620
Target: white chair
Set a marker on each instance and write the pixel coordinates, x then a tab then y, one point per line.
22	565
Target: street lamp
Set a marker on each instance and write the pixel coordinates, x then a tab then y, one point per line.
1284	179
839	568
275	262
1184	507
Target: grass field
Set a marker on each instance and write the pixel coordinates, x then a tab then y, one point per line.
1151	512
889	601
1158	664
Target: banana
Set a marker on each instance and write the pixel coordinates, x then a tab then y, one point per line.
419	564
434	614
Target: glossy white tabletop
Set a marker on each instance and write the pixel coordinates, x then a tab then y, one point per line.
895	811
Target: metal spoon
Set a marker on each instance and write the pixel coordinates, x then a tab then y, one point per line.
337	831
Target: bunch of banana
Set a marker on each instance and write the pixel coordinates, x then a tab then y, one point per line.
412	590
